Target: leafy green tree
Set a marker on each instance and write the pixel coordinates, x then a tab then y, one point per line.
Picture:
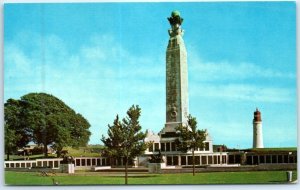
17	133
125	139
190	138
11	139
49	121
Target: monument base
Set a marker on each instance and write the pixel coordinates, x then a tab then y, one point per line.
155	167
67	168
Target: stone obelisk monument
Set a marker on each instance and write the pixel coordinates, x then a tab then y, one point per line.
257	130
176	78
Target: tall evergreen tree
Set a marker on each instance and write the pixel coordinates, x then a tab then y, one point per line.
125	138
114	140
190	138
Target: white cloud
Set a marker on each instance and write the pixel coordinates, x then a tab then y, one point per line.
15	56
242	92
224	70
237	81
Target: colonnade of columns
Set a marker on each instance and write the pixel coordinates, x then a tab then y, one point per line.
210	159
55	162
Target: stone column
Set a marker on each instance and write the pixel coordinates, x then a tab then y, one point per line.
271	159
176	77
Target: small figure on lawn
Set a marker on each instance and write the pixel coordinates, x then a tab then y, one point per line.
68	160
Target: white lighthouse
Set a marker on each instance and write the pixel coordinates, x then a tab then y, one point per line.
257	130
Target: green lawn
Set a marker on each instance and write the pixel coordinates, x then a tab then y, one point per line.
89	178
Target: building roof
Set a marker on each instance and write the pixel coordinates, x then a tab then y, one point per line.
208	137
150	136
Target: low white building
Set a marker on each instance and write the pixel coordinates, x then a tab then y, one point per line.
172	157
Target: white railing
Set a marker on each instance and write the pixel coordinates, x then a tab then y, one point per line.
47	163
80	162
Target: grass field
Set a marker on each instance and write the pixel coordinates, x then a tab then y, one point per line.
97	178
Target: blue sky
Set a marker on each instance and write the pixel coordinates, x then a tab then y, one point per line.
101	58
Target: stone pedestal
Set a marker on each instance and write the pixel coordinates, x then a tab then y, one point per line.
67	168
155	167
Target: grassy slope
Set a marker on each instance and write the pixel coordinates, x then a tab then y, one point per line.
31	157
89	151
19	178
83	151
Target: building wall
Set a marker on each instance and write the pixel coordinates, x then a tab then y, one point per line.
169	147
174	158
257	158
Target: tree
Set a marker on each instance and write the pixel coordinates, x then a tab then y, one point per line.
17	133
125	139
49	121
190	138
112	144
11	139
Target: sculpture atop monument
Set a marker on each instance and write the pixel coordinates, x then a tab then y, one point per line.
175	18
175	21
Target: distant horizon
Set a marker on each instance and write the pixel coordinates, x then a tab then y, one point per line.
101	58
